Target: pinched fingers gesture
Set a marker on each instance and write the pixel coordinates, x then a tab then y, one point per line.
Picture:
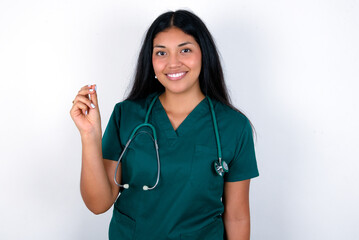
85	111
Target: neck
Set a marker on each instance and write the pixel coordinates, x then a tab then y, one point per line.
180	102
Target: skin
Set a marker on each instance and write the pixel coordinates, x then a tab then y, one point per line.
176	52
173	52
97	187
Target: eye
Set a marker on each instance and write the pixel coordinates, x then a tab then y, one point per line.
160	53
186	50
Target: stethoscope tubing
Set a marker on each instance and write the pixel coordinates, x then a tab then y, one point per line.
220	168
214	121
154	138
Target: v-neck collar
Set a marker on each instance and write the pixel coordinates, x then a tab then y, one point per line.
164	123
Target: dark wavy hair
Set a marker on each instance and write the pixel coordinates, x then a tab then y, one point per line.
211	78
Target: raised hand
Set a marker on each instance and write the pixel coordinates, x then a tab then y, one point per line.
85	111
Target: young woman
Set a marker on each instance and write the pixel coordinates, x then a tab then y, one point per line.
185	172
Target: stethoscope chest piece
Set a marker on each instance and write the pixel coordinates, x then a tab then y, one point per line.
220	167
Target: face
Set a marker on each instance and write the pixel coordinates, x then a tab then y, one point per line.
176	61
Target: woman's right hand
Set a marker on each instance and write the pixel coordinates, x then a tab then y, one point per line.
98	189
85	111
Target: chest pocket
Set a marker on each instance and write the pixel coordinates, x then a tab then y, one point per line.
203	176
139	164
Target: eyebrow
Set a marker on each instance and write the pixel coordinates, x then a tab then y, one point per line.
179	45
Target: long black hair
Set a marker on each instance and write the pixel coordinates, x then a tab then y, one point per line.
211	78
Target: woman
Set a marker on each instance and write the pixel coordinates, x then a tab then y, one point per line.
182	190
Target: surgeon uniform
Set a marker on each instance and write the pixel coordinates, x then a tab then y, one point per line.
186	204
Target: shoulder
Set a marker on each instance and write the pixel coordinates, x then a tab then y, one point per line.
231	117
133	106
129	104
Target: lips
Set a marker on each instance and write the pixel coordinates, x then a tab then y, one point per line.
176	76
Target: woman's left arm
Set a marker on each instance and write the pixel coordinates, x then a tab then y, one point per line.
236	215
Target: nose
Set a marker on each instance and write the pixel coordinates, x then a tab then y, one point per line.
174	61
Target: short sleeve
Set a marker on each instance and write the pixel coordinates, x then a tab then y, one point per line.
244	164
111	143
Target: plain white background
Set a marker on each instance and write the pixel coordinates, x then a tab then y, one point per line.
291	66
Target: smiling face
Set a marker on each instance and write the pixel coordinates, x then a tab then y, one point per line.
176	60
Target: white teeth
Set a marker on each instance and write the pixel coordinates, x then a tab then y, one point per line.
176	74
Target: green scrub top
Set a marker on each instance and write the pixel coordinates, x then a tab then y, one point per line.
186	204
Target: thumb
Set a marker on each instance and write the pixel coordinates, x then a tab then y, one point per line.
94	98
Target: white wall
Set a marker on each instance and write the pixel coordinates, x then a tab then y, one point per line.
292	66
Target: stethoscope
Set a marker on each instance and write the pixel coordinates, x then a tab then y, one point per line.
220	166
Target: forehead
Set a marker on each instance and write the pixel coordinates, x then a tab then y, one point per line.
173	36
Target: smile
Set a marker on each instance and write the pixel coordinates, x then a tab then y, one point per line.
176	76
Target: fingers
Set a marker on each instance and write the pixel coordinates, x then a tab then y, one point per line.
86	99
88	90
93	94
82	107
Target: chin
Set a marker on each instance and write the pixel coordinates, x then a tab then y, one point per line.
175	91
180	88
